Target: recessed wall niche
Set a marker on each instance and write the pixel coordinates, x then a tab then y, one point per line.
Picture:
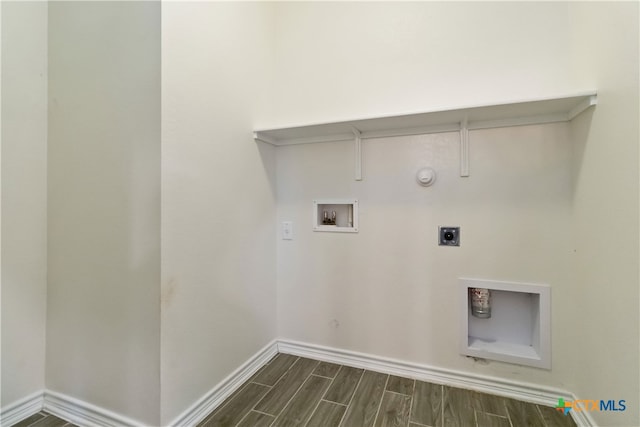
335	215
519	329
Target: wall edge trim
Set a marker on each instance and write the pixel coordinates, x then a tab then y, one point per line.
214	397
21	409
83	413
582	418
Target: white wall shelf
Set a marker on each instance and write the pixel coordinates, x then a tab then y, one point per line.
519	330
462	119
517	113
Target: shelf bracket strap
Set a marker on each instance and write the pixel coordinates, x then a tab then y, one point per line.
358	153
464	148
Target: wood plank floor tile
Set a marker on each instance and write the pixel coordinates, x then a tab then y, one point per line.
280	394
30	420
272	372
488	403
364	406
256	419
523	414
400	385
394	410
300	408
552	417
344	385
237	407
327	414
427	403
233	395
296	391
326	369
457	410
489	420
49	421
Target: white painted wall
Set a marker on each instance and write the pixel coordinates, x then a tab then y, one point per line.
218	196
103	317
389	289
24	198
0	204
123	324
605	299
339	60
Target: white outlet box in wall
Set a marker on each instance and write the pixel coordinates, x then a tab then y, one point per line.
346	212
519	329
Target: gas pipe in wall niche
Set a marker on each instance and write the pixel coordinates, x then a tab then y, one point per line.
480	302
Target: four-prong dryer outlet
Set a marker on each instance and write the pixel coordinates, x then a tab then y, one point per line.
449	236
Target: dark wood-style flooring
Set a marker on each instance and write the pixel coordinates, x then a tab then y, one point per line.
296	391
43	419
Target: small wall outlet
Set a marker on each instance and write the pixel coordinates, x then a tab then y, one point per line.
449	236
287	230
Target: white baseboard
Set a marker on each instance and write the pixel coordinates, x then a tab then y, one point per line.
528	392
82	413
210	401
21	409
88	415
582	418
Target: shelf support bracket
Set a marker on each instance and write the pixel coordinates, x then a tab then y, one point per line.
358	153
464	148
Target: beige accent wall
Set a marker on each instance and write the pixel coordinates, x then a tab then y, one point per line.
24	199
103	306
603	311
218	196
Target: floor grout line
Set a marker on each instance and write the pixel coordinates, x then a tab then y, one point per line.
253	410
540	414
413	392
274	384
442	404
352	395
226	401
46	415
296	393
323	376
324	394
259	400
335	403
319	400
384	390
506	411
266	385
331	383
281	376
320	376
242	419
398	393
